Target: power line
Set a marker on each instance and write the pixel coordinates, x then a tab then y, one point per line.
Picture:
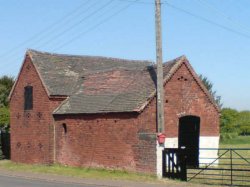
78	23
213	8
207	20
87	9
133	2
95	26
74	25
44	30
138	2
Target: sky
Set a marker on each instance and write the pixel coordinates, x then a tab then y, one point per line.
213	34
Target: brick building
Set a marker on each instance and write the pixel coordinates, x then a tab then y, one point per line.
101	112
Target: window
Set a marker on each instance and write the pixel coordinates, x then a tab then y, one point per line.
65	130
28	98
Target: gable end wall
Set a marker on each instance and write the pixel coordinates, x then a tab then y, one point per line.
184	96
31	130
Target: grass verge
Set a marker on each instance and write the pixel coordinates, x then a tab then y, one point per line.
239	141
78	172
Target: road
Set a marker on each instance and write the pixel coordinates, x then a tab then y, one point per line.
6	181
17	179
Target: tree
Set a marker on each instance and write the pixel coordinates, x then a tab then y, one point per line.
4	118
209	85
244	122
233	121
229	120
6	83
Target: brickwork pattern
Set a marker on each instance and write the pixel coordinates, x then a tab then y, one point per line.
120	140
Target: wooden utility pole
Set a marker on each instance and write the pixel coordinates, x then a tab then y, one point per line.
160	91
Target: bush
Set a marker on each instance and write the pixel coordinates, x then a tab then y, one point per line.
245	130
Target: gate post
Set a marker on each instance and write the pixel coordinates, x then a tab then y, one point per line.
183	164
159	161
164	172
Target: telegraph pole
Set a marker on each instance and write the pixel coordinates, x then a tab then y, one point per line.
160	91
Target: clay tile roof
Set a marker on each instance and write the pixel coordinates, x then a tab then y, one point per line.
99	84
118	90
61	73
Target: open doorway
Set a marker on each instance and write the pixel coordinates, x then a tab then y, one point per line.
189	133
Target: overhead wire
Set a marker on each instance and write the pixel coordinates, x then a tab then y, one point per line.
98	24
138	2
219	12
65	23
95	26
44	30
68	28
76	24
122	9
206	20
45	41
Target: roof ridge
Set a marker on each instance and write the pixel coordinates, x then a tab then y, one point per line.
87	56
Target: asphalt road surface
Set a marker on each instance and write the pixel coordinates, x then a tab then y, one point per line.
6	181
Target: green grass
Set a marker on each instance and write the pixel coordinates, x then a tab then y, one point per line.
239	141
78	172
224	162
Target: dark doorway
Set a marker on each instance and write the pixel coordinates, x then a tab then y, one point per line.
189	133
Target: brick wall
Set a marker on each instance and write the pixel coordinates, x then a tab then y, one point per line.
120	141
183	96
31	130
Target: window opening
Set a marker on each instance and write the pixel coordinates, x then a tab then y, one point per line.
64	128
28	98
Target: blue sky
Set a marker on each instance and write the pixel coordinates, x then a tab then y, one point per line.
213	34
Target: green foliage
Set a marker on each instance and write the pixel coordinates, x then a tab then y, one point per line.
244	122
6	84
232	121
4	118
245	130
228	120
209	85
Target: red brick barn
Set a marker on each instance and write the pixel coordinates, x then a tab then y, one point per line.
101	112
